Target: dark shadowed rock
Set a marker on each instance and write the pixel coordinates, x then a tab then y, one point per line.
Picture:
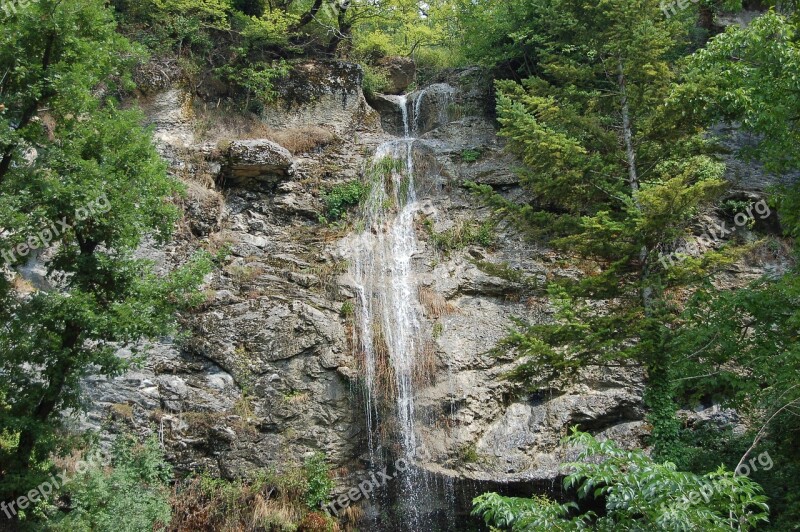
390	108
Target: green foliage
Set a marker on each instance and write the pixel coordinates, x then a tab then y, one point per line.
257	79
98	177
747	75
470	155
427	33
132	495
469	454
320	484
339	199
348	309
461	235
375	81
638	493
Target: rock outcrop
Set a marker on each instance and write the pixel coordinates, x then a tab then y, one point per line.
400	72
259	160
268	373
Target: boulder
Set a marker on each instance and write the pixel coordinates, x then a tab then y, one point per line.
401	72
258	160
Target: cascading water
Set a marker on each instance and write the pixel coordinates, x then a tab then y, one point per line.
389	328
437	98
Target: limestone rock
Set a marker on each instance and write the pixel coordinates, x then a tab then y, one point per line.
401	72
261	161
269	373
390	109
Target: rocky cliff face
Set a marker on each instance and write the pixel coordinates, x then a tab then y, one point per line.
269	372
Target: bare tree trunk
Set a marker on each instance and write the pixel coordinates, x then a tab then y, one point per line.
56	380
32	108
627	132
633	179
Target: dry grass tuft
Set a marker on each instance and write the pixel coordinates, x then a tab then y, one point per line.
220	126
385	383
425	365
302	139
435	304
22	286
274	513
353	514
385	378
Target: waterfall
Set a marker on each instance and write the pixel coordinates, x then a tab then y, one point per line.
402	102
418	109
440	97
389	320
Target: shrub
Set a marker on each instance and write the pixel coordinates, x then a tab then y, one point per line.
470	156
340	198
375	81
348	309
639	494
318	476
133	495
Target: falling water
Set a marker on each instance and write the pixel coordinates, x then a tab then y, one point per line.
418	109
390	328
402	102
442	96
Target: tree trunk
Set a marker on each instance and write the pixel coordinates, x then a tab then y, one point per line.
344	28
705	19
47	403
309	16
633	180
32	108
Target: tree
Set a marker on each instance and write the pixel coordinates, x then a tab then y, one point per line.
750	76
614	176
638	494
81	188
740	348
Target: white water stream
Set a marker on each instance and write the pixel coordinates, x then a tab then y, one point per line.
389	320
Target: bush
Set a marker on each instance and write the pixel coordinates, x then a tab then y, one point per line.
320	484
375	81
639	494
470	156
342	197
131	496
